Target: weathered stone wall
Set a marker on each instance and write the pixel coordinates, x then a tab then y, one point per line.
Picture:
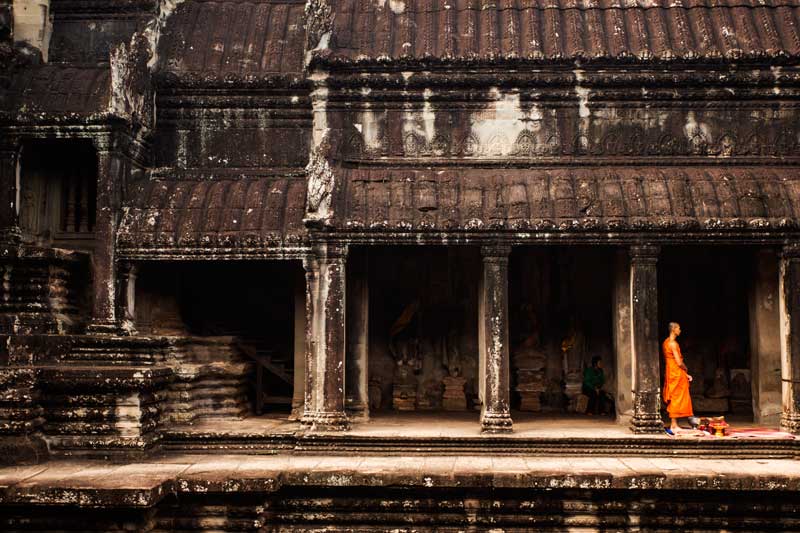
221	132
88	31
393	509
547	116
212	380
42	291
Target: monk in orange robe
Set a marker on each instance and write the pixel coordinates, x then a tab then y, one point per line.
676	379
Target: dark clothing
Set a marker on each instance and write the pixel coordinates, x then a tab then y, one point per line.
593	380
593	377
598	401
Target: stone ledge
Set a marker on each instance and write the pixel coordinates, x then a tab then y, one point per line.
100	484
278	440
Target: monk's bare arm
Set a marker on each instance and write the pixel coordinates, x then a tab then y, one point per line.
676	353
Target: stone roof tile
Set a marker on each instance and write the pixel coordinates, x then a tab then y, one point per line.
479	30
249	37
659	198
60	91
245	212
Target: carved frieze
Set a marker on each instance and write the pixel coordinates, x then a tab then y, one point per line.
507	133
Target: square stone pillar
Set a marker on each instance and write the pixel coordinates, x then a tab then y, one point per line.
789	307
128	273
621	333
356	367
494	356
104	257
326	343
9	194
765	339
300	321
644	340
311	267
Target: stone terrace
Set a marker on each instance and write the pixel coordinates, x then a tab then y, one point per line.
144	484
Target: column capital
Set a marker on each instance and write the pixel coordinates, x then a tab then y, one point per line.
9	152
104	143
330	251
644	252
495	251
790	251
127	268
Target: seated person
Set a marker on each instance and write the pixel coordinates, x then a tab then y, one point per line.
593	380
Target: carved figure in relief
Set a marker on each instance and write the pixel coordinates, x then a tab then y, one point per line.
572	349
529	364
375	393
454	397
404	349
719	389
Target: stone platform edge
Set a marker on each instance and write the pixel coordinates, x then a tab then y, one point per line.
143	485
335	444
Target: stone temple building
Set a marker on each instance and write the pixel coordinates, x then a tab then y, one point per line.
286	265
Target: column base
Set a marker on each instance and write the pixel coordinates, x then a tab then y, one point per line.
106	327
646	413
357	411
647	424
326	421
298	411
790	422
496	423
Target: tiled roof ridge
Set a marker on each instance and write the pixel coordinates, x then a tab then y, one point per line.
587	5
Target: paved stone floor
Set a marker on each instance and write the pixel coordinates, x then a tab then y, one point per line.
98	483
441	424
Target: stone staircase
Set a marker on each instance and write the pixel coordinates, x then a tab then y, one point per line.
269	362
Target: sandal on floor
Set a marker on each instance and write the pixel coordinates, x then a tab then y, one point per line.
669	432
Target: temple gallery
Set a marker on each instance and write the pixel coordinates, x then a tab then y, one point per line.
330	232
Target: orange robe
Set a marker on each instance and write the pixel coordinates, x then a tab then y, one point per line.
676	383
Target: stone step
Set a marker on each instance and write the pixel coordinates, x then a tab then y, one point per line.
347	444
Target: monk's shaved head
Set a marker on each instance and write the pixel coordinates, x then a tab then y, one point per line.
673	326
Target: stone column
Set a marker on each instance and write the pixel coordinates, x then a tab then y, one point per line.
765	339
104	267
496	407
298	388
326	364
128	273
9	194
357	375
644	340
789	307
621	315
311	267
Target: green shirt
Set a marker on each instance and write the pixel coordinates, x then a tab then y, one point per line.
593	377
